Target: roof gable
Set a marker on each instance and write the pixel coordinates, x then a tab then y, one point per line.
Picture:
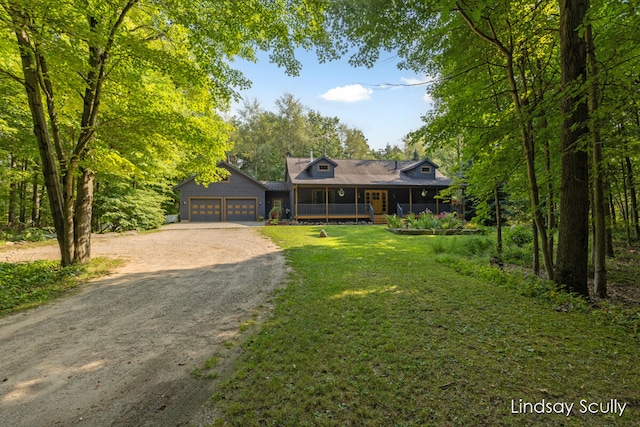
232	169
365	172
320	159
419	163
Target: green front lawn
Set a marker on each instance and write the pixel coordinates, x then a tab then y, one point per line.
373	331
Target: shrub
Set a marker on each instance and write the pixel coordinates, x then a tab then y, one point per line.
520	235
33	234
411	220
134	210
427	220
393	221
450	221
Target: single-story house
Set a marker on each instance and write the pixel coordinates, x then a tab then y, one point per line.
320	189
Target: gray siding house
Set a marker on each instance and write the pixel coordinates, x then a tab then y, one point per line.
323	190
237	198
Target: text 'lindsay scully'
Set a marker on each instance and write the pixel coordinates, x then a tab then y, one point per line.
613	406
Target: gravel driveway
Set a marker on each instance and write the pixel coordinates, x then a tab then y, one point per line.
120	352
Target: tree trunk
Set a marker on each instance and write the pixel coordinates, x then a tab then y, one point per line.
45	146
496	194
573	248
599	224
13	193
551	217
609	215
23	193
634	201
526	131
35	201
83	210
536	249
624	203
612	206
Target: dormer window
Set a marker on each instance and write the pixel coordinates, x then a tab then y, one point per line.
323	168
425	169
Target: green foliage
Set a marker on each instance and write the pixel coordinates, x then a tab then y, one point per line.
263	138
33	234
28	234
426	221
32	283
394	221
132	209
21	283
149	106
450	221
519	235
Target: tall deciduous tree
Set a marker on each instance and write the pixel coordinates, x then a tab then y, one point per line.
263	138
71	50
573	235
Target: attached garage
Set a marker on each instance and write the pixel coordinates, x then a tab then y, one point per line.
241	209
238	197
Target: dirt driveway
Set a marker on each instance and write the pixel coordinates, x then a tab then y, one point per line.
121	351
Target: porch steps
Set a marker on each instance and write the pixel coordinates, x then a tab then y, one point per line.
379	219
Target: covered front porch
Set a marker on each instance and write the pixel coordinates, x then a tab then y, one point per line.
365	203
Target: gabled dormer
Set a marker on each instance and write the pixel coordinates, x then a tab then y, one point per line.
321	168
424	169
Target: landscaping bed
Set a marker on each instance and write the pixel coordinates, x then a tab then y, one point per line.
435	232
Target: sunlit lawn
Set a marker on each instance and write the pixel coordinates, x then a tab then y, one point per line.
372	331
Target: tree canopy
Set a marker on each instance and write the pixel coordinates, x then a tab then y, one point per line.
133	88
507	78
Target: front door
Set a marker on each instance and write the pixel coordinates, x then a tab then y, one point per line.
378	200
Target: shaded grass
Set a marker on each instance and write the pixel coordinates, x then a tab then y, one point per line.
372	331
28	284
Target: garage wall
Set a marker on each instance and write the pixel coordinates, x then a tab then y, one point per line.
240	196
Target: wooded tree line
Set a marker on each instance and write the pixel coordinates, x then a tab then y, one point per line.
123	96
543	98
539	98
263	138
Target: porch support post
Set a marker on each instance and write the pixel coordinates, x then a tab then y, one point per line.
355	196
410	200
326	203
295	191
437	205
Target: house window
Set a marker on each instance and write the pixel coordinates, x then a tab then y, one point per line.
425	169
323	168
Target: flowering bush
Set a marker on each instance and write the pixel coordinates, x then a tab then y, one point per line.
426	220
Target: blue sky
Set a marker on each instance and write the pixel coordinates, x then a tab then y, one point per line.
362	98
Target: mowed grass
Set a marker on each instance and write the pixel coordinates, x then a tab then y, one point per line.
373	331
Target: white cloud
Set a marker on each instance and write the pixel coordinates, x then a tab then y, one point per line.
350	93
424	81
414	81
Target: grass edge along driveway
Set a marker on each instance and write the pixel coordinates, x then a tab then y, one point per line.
372	330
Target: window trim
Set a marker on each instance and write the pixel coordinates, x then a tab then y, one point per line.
323	168
425	169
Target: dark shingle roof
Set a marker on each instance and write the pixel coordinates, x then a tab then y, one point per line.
276	185
365	172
